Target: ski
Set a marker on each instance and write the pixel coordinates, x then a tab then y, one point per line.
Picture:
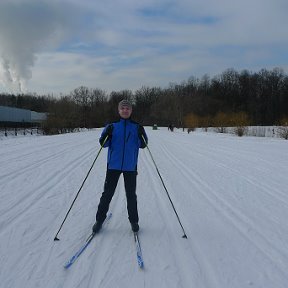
83	247
138	251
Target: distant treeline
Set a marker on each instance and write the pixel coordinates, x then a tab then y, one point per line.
262	96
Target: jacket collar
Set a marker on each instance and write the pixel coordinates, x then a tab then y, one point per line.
123	120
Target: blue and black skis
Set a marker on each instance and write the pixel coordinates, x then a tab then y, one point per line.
81	250
139	255
138	251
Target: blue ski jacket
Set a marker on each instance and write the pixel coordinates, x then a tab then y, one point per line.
123	145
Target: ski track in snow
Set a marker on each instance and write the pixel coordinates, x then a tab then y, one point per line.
53	178
239	220
230	193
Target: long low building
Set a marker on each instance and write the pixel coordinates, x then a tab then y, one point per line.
16	116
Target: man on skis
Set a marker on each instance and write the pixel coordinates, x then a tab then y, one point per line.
123	139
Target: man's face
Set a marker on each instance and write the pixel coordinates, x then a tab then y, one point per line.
125	112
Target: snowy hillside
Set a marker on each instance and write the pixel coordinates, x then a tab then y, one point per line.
231	195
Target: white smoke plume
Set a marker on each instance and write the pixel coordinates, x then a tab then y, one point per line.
27	28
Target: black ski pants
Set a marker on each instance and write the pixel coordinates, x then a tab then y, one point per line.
112	177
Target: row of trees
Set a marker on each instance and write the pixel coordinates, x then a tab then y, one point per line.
260	98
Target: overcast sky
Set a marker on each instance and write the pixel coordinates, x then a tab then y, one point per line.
49	46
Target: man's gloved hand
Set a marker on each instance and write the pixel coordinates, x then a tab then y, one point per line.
141	131
142	134
106	135
108	131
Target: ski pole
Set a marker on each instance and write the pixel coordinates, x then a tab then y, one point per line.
56	238
184	236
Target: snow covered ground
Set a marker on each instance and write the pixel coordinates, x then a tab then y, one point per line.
231	195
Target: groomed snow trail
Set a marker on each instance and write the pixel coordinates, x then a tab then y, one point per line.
230	193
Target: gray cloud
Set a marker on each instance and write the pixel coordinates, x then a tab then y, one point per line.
27	28
118	44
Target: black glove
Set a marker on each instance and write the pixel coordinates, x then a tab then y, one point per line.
141	131
108	132
141	134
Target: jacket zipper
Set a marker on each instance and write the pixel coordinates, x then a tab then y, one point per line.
124	145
